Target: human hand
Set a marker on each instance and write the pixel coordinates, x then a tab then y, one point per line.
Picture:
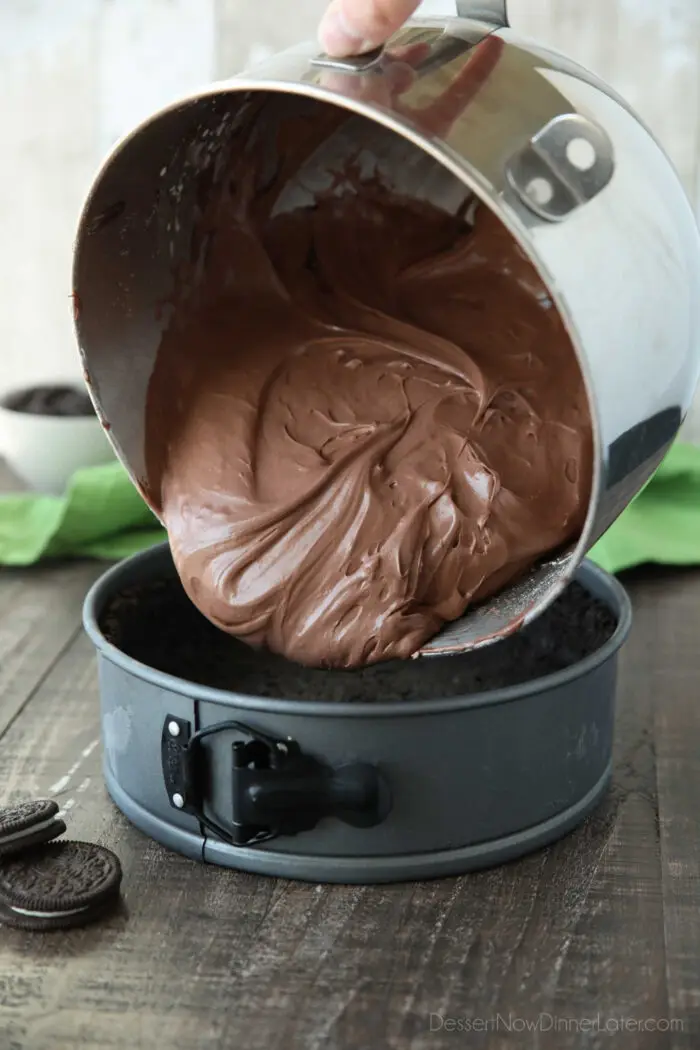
351	27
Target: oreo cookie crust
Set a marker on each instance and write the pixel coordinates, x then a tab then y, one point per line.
28	824
61	885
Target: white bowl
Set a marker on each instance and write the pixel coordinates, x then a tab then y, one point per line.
45	451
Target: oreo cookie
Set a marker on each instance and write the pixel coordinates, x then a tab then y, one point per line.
61	885
28	824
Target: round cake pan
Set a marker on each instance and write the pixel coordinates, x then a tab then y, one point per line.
355	792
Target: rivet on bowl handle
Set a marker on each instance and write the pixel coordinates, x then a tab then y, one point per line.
566	164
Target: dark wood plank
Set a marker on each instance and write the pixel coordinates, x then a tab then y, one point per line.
40	614
604	923
673	611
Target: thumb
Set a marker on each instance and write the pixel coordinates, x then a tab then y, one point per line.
351	27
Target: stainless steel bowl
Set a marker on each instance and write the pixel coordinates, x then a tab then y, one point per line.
565	164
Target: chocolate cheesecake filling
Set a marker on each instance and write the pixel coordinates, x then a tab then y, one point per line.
365	415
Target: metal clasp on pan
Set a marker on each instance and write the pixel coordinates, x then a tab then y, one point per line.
276	788
565	165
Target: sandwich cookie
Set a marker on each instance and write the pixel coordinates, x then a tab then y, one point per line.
27	824
60	885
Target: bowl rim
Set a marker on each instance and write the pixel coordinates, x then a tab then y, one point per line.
596	580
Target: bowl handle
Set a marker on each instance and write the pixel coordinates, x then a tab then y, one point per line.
495	12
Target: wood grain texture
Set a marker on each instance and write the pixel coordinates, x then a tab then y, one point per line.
604	925
39	617
676	734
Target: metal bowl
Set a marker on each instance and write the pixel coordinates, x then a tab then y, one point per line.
561	160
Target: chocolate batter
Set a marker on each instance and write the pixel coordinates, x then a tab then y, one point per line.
367	416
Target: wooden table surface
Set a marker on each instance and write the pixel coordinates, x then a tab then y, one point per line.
593	942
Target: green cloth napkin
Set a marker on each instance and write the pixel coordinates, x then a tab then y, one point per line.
102	516
662	525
